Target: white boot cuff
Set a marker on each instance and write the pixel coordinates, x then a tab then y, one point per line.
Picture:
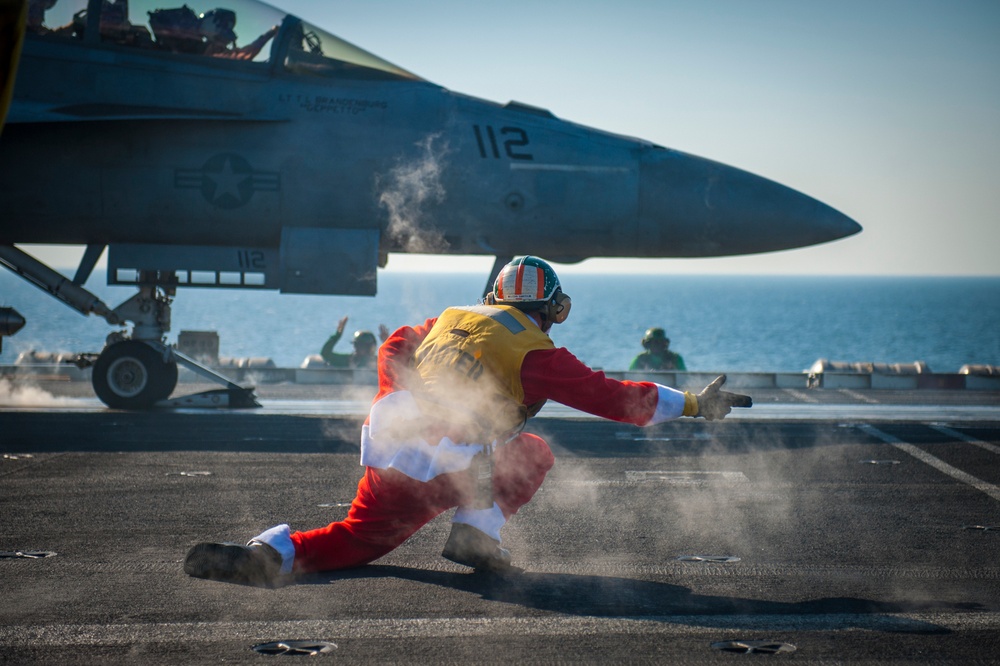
279	537
485	520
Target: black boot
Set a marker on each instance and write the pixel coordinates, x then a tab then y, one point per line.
474	548
256	564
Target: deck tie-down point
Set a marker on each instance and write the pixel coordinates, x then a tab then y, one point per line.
295	648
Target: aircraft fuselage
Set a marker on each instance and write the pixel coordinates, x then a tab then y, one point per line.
299	162
112	145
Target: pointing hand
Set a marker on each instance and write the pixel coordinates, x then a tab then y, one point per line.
714	403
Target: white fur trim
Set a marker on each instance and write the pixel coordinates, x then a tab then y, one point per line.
392	412
485	520
279	537
669	405
383	448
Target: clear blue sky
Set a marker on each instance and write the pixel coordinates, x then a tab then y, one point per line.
888	110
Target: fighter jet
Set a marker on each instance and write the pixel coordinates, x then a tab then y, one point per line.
240	146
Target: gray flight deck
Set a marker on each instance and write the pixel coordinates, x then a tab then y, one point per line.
858	526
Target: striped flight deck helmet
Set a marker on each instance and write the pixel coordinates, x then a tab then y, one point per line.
530	284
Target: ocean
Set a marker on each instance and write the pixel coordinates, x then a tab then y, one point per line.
717	323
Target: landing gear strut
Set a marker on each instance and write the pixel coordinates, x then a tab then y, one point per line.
137	373
133	372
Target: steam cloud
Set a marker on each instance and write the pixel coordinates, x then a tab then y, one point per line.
28	396
405	191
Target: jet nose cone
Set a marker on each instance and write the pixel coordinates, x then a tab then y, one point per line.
697	207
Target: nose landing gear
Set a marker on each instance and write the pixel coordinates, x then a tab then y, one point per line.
133	375
132	372
141	372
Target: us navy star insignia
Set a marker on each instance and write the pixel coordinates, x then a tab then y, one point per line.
227	180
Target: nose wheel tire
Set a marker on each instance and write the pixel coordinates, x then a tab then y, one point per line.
133	375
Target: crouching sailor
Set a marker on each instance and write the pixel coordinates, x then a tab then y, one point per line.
444	432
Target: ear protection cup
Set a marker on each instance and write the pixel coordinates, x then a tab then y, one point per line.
559	307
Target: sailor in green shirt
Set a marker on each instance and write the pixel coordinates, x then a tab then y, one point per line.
365	346
657	355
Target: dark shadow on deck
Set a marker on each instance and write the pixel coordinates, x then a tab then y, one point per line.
613	597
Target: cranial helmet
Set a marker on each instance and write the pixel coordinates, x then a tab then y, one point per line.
364	338
217	25
530	284
654	334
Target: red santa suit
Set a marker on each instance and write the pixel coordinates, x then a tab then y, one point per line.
413	474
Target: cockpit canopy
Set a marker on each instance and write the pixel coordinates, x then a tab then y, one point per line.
240	30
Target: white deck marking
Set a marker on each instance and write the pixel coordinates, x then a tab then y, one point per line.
61	635
801	395
860	396
684	477
938	464
966	438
